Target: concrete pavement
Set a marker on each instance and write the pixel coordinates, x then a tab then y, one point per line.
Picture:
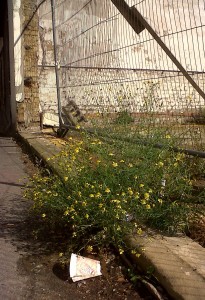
12	285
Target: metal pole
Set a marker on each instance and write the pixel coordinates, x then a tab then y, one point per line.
56	62
143	142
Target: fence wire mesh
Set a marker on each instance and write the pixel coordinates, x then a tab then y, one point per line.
121	82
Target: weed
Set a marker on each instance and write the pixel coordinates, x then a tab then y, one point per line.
124	118
108	189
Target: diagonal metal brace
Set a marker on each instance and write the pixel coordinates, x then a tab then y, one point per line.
138	23
129	15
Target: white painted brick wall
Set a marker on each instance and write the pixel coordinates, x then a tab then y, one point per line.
113	90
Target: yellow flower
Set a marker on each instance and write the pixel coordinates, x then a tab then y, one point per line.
91	196
100	205
146	196
60	254
66	178
77	126
66	212
137	255
89	248
160	201
122	161
130	165
141	185
121	251
43	215
115	201
167	136
180	156
148	206
160	164
111	154
114	164
107	190
98	161
74	234
130	192
139	231
87	216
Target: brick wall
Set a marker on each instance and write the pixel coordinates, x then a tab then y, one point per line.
96	89
114	90
28	109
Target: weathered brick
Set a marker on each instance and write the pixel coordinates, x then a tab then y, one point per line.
28	111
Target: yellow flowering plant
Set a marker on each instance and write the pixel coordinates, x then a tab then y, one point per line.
98	194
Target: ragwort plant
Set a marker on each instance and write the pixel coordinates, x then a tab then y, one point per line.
111	189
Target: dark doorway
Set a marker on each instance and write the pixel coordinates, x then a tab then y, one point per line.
6	121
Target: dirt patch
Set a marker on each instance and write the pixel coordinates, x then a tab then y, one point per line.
197	231
51	281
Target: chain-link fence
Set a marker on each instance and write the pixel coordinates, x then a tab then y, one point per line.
127	68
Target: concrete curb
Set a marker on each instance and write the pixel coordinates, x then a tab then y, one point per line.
178	262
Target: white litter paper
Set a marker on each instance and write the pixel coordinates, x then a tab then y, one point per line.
83	268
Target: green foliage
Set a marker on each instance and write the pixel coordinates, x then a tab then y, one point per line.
111	188
199	117
124	118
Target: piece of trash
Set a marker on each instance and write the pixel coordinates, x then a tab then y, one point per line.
129	217
83	268
163	183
